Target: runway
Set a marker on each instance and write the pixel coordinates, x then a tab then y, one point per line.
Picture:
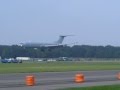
57	80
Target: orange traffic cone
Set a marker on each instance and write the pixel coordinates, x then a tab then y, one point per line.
118	76
30	80
79	78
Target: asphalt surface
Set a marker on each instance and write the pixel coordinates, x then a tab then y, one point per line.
57	80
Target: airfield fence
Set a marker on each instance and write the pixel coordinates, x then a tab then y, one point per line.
71	59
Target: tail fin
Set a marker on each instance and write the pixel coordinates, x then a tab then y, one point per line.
60	40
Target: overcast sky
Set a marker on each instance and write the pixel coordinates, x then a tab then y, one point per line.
93	22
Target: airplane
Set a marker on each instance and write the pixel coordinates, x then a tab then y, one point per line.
54	44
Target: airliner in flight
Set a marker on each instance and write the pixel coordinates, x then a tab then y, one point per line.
54	44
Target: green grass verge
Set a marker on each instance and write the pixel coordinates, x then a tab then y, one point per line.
108	87
57	66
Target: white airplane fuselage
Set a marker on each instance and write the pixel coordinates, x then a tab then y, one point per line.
54	44
39	45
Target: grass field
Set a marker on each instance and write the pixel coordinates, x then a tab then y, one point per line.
57	66
110	87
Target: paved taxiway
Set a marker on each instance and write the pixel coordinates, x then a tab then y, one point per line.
55	80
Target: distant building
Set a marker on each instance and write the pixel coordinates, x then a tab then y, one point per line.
23	58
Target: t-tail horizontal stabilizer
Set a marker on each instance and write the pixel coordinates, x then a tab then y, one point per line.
61	38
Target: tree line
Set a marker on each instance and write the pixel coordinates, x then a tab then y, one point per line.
83	51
